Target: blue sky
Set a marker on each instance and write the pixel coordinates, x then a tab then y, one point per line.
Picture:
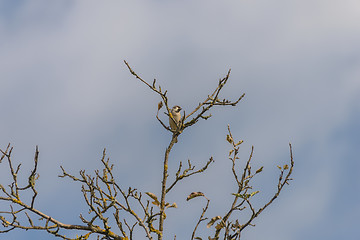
65	88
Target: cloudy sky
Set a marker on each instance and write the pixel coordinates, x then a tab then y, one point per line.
65	88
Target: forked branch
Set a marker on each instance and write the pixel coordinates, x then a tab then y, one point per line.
198	112
245	193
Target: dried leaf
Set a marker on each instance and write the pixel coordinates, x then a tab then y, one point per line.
231	151
194	195
156	203
239	142
212	221
205	117
174	205
286	167
279	167
229	139
259	170
253	193
154	197
160	104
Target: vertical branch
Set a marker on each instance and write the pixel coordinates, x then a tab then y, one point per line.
203	107
201	218
163	188
281	184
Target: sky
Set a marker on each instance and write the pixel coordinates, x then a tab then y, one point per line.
64	87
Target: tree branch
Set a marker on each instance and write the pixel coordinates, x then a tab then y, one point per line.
187	173
233	230
99	192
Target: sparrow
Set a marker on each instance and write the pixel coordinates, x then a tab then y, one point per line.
176	115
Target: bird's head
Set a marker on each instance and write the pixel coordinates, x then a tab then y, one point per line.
176	109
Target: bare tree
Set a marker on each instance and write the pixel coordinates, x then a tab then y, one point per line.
129	209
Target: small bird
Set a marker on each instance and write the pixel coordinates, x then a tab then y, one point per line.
175	113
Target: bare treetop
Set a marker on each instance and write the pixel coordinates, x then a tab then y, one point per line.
138	213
